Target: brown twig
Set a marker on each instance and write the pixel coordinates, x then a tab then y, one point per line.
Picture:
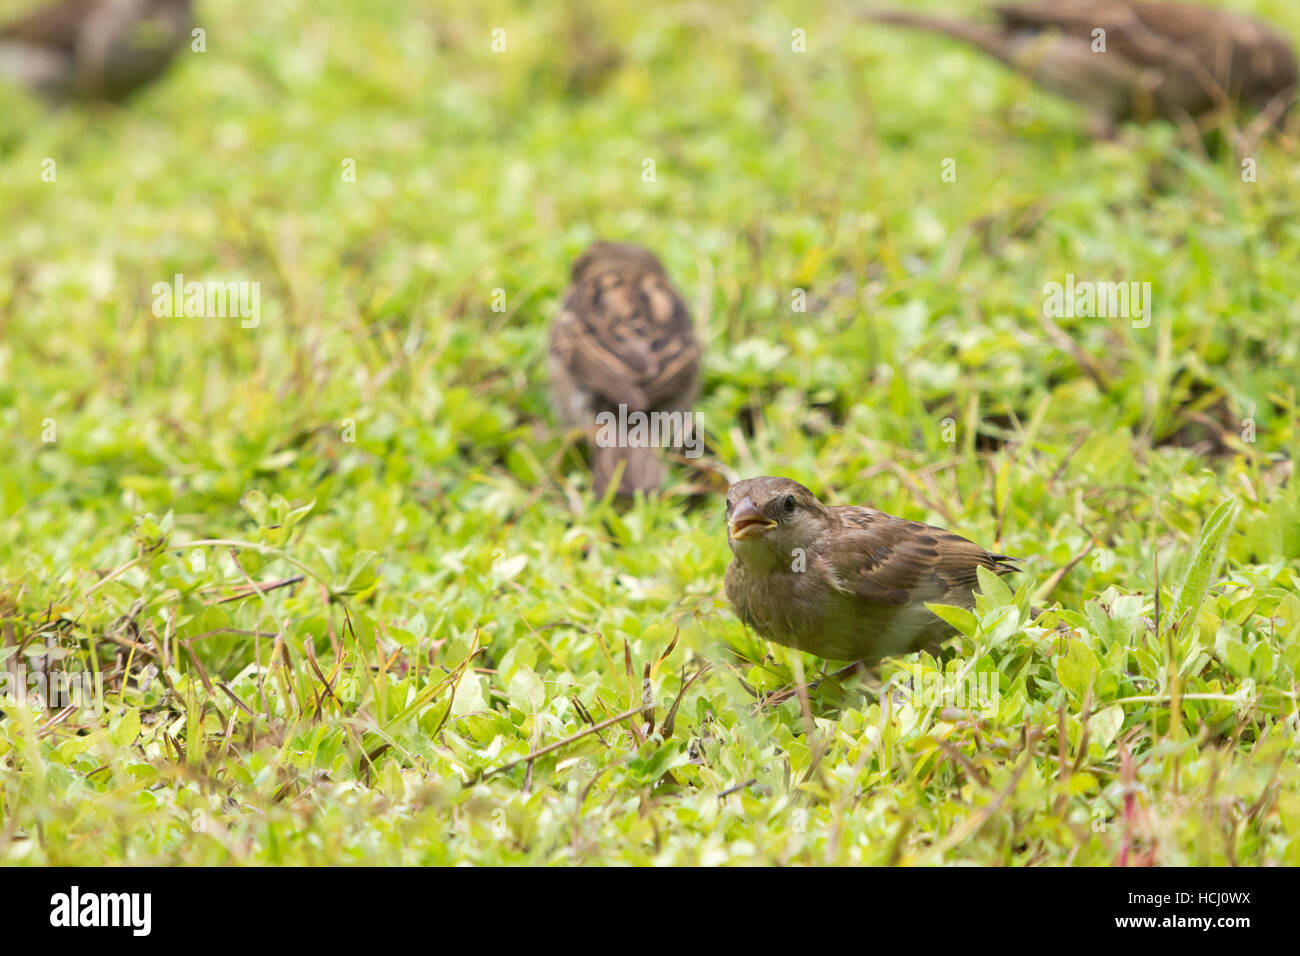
246	591
550	748
1053	582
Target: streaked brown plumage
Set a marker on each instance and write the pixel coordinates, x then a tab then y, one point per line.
844	582
93	49
623	336
1161	60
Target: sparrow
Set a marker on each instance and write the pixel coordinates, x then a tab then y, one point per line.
844	582
622	343
93	49
1160	60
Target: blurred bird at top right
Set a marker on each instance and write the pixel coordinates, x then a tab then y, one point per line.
1133	61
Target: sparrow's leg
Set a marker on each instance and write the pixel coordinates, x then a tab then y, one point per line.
777	697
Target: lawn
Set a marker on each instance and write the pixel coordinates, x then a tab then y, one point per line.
332	571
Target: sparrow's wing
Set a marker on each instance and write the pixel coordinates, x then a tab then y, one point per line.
56	27
892	561
625	334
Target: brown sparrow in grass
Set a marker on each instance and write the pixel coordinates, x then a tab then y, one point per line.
844	582
93	49
623	338
1160	60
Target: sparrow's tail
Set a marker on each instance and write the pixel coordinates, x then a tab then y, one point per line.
642	470
1005	564
992	40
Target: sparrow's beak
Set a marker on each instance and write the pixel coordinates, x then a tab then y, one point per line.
747	521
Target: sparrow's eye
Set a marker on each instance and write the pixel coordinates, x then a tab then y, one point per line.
728	507
789	504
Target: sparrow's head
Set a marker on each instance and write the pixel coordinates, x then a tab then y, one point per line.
769	517
603	255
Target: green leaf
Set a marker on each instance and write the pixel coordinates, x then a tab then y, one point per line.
469	696
361	573
993	587
1236	657
214	618
508	568
255	503
1001	624
125	728
1201	568
1082	782
1077	669
295	515
961	619
671	754
527	694
1105	725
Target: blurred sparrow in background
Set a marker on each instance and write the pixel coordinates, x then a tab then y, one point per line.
1153	60
844	582
93	49
623	337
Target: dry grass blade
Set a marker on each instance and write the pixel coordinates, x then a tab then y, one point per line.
670	722
573	738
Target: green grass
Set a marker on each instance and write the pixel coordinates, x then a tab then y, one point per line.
465	600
